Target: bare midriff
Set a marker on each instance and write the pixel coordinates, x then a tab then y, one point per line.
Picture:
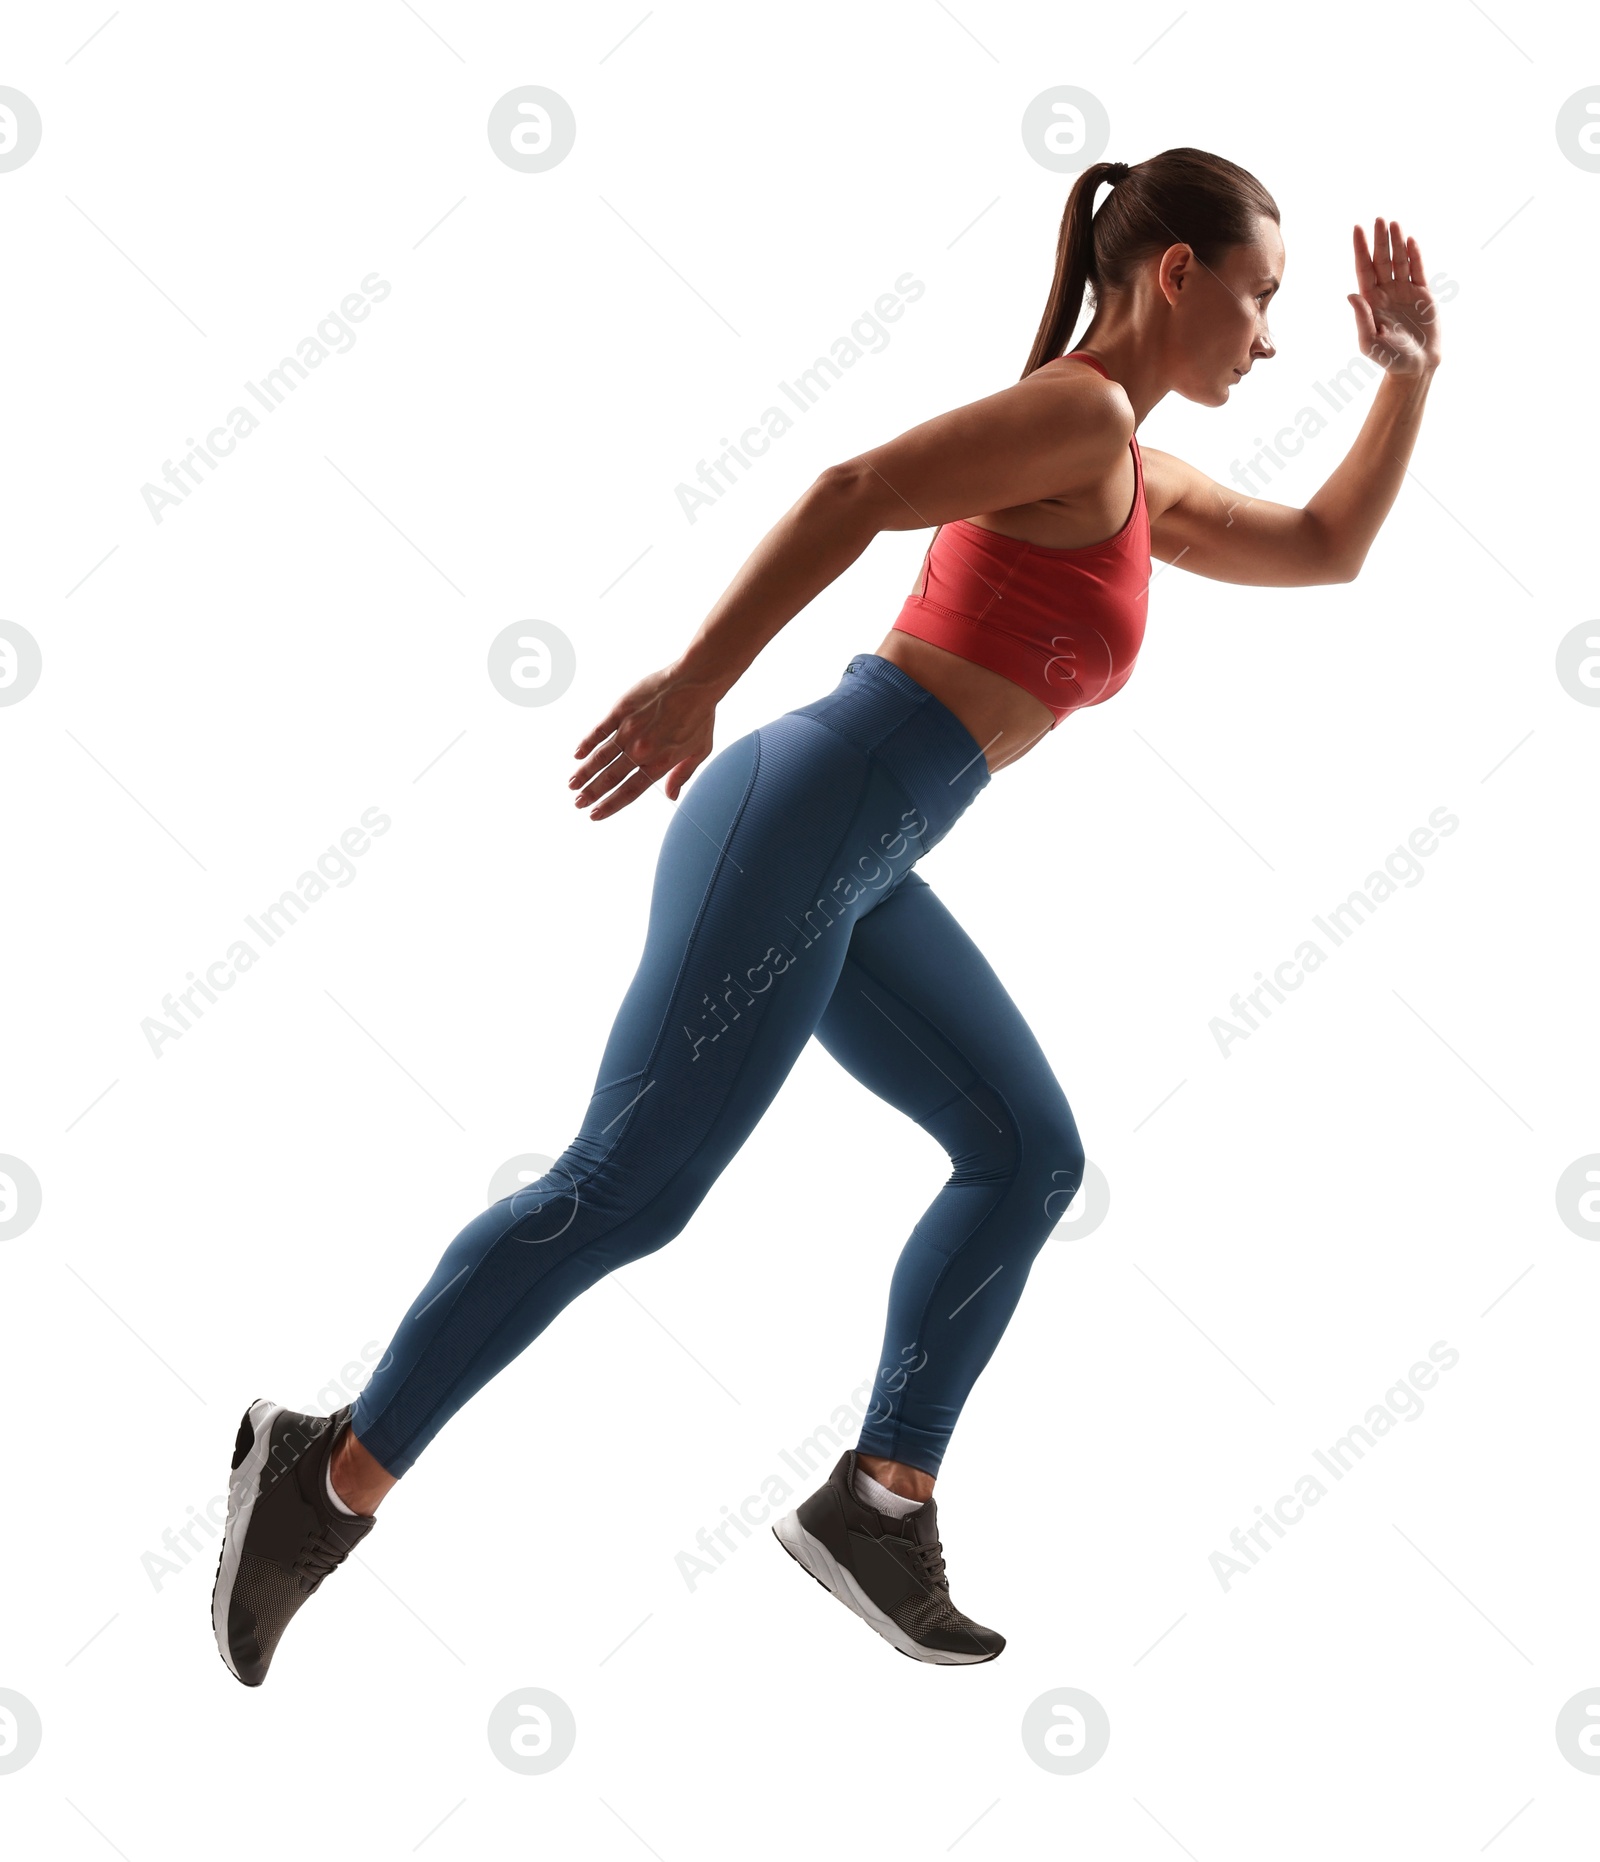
1005	720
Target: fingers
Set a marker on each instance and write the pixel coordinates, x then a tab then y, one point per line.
615	770
593	764
677	777
634	787
1366	277
603	729
1394	258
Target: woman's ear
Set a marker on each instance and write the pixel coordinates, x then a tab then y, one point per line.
1173	269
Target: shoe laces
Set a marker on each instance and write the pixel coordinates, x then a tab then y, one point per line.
930	1558
321	1554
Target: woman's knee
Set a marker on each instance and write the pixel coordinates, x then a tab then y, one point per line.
1007	1135
1052	1156
612	1214
1049	1159
1062	1161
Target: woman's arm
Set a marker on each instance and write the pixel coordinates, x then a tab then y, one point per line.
1232	537
1040	437
1053	431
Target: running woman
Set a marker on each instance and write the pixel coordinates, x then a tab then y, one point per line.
787	901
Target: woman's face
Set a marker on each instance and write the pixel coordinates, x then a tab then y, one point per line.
1219	313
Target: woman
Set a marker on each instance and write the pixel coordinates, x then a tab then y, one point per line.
787	902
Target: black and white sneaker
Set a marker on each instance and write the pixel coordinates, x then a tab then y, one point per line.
283	1534
889	1571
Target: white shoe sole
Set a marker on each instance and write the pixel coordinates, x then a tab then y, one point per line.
814	1556
243	1485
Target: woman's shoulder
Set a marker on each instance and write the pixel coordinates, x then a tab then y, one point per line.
1091	393
1095	409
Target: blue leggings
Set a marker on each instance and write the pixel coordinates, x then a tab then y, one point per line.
786	904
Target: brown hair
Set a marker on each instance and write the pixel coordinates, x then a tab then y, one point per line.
1179	197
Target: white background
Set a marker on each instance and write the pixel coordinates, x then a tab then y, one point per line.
1295	1225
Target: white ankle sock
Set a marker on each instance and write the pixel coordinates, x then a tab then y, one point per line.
874	1494
327	1482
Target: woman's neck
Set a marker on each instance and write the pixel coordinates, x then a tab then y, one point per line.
1131	357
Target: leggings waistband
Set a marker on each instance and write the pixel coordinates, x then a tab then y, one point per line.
888	716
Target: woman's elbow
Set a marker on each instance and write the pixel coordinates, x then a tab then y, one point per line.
853	494
1336	559
1345	568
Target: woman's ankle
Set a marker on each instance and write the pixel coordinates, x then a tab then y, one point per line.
358	1478
910	1483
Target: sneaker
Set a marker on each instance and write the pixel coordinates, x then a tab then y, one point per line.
889	1571
283	1534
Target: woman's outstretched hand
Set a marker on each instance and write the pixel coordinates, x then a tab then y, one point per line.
1397	321
660	727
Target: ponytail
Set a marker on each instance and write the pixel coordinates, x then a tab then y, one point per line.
1075	265
1179	197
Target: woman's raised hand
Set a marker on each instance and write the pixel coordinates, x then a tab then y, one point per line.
1397	321
660	727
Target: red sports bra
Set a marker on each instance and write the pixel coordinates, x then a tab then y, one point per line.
1065	625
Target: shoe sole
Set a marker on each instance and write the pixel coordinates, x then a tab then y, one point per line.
813	1556
243	1485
